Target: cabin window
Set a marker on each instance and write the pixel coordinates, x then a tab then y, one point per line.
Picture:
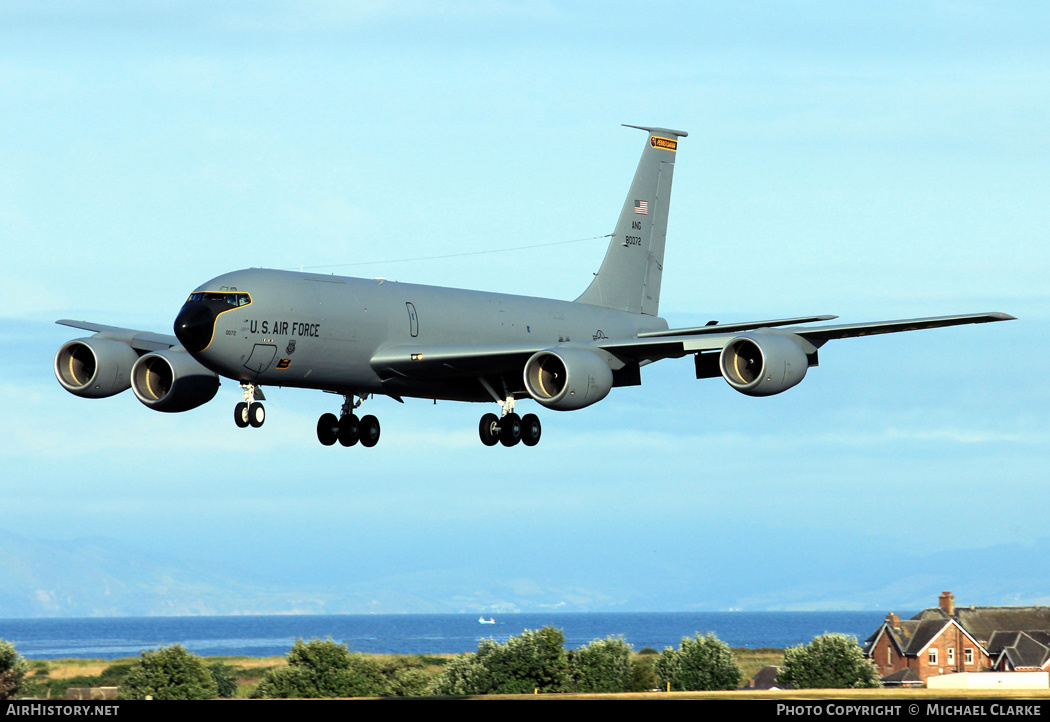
951	655
933	655
968	655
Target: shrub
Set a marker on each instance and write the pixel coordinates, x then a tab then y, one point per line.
701	663
533	660
322	668
407	682
13	669
406	676
603	665
832	661
114	674
225	679
169	673
643	678
463	674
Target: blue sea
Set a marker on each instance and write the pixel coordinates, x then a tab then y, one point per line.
265	636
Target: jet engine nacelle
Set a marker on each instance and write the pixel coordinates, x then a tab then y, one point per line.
567	378
172	380
95	368
763	364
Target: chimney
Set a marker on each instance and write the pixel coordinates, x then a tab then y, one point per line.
947	603
894	620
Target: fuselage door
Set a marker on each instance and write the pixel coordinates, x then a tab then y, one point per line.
261	357
413	320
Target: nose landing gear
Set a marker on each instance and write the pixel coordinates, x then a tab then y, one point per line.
250	412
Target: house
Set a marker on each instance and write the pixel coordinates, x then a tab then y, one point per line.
947	639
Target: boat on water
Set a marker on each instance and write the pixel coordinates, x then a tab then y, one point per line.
482	620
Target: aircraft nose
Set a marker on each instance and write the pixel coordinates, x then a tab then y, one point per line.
194	326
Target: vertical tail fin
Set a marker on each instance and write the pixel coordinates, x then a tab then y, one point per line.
629	279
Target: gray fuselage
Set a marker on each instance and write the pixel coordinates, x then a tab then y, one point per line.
323	332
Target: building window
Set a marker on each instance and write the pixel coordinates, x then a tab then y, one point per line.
951	655
933	655
968	655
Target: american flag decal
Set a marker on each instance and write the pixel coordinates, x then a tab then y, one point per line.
641	208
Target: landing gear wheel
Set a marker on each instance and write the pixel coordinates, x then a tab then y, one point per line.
510	430
349	428
327	429
369	431
256	415
240	415
530	429
489	429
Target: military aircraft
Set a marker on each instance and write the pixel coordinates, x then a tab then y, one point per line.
359	338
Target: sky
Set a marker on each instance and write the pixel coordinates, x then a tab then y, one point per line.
870	161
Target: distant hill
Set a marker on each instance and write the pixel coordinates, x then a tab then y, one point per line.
102	577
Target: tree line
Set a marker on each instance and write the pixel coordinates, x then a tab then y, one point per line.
535	661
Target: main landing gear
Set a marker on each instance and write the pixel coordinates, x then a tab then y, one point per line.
507	429
347	429
250	412
510	428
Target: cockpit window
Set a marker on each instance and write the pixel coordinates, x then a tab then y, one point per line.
230	299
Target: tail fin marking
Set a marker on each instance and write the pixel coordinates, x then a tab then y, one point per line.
629	277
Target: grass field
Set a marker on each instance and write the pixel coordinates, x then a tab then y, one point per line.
50	678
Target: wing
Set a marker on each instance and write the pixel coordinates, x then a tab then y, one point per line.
451	362
821	334
104	364
679	342
717	328
465	361
144	341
